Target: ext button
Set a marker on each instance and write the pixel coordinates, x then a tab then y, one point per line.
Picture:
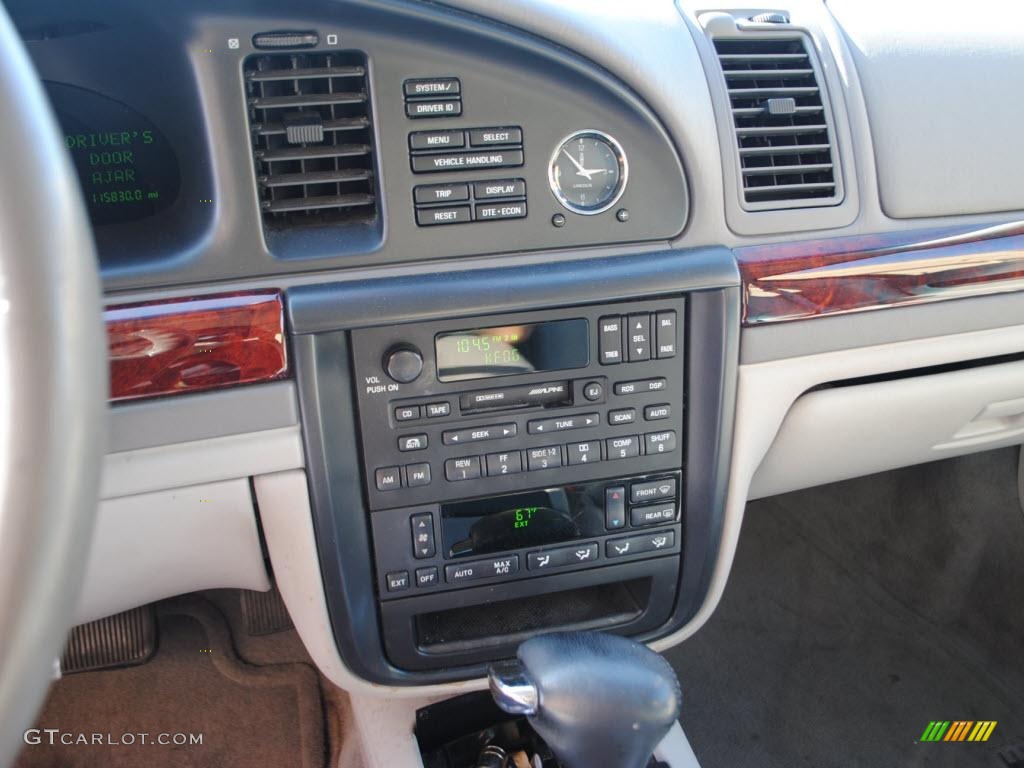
561	557
615	507
481	569
610	340
423	535
544	458
635	545
440	193
489	137
584	453
407	412
436	140
504	463
654	515
659	442
388	478
543	426
455	214
665	334
638	334
432	86
467	161
478	434
412	442
467	468
427	577
622	416
436	410
496	211
397	581
622	447
484	190
657	412
439	108
417	474
640	387
653	490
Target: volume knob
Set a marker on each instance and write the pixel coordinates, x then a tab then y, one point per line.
403	364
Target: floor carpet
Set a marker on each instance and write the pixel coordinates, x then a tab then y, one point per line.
857	613
248	716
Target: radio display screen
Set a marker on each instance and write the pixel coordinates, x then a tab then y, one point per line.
481	353
533	519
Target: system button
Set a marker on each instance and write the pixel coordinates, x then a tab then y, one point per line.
397	581
653	515
504	463
622	416
481	569
657	412
497	211
440	193
490	137
412	442
610	340
388	478
652	490
407	412
418	475
615	507
437	140
439	108
455	214
638	337
484	190
550	559
659	442
466	468
584	453
665	334
548	457
432	86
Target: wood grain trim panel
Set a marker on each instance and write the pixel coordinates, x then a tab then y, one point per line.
816	278
195	344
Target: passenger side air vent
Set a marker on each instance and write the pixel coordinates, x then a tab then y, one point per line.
309	117
782	123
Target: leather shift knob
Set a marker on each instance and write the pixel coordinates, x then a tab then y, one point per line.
598	701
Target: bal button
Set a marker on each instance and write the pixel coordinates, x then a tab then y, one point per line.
404	365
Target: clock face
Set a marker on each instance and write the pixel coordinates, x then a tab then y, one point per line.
588	172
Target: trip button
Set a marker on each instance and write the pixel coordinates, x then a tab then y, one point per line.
638	338
654	515
550	559
455	214
481	569
657	412
388	478
437	140
583	453
665	334
422	535
640	387
652	490
438	108
484	190
548	457
440	193
491	137
543	426
622	447
467	468
504	463
478	434
610	340
659	442
497	211
635	545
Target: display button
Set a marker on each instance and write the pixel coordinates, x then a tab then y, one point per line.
635	545
388	478
481	569
622	416
417	475
652	490
438	108
615	507
466	161
407	412
510	463
440	193
455	214
432	86
548	457
582	421
397	581
584	453
436	410
483	190
622	447
489	137
593	391
513	397
422	535
437	140
412	442
427	577
466	468
610	340
478	434
497	211
657	412
562	557
659	442
638	338
640	387
653	515
665	334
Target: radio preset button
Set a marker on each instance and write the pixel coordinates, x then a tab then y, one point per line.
615	507
582	421
397	581
549	559
548	457
412	442
610	340
622	416
436	410
417	475
635	545
407	413
478	434
504	463
652	490
423	545
427	577
466	468
622	447
665	334
638	338
584	453
653	515
388	478
657	412
640	387
659	442
481	569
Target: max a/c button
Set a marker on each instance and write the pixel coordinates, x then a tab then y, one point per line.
456	214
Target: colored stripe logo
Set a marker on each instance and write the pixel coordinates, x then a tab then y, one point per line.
958	730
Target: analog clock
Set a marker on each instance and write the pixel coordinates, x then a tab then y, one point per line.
588	172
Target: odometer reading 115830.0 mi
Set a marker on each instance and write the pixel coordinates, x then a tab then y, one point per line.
588	172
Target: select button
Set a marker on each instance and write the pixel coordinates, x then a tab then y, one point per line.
441	193
490	137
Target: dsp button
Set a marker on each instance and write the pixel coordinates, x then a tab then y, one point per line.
498	211
491	137
654	515
481	569
454	214
640	387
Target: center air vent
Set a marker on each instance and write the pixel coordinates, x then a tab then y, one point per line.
311	137
781	121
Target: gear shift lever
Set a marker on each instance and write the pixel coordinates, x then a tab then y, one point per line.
595	699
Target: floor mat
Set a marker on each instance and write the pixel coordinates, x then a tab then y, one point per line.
857	613
247	716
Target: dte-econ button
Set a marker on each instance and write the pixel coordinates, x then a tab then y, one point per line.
497	211
481	569
457	214
440	193
440	108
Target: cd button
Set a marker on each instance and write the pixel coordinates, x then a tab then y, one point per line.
407	412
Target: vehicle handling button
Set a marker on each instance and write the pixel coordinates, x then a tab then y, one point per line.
659	442
652	490
422	535
504	463
640	387
412	442
561	557
635	545
584	453
653	515
548	457
432	86
418	474
478	434
657	412
398	581
485	190
456	214
440	193
439	108
481	569
388	478
466	468
489	137
497	211
467	161
437	140
622	447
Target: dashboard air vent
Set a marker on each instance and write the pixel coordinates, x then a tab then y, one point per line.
309	119
781	122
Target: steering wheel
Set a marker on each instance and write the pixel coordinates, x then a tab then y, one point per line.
53	391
